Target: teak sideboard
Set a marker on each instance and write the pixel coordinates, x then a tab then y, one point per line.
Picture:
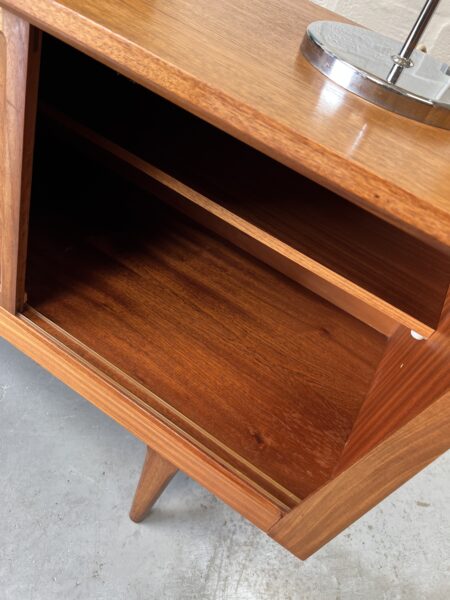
241	263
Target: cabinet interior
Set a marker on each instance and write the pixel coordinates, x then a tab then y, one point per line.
198	275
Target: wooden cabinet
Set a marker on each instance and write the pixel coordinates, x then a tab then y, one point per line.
226	253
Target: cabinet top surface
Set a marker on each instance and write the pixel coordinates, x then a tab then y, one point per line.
237	64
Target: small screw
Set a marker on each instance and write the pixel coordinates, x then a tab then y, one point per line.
401	61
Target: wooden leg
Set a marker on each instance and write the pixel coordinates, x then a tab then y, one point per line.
156	475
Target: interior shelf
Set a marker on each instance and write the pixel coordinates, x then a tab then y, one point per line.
348	256
263	373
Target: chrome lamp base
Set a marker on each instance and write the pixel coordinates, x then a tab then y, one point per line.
371	65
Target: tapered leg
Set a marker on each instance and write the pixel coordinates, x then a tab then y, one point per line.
156	475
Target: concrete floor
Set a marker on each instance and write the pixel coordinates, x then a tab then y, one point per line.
67	475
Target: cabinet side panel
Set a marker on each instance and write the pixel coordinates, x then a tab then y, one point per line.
31	101
410	377
346	498
403	426
20	51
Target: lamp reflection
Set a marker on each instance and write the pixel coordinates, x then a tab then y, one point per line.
331	97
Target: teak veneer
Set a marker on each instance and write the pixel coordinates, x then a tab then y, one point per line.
226	253
157	473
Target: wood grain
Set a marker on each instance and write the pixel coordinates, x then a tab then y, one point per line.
156	475
361	486
31	100
358	262
263	365
269	488
411	375
240	231
403	425
18	94
238	66
271	371
140	420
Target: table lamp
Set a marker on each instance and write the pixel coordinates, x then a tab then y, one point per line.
398	77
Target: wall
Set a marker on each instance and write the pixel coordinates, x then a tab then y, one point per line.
395	18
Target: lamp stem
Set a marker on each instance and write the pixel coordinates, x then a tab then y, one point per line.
403	59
